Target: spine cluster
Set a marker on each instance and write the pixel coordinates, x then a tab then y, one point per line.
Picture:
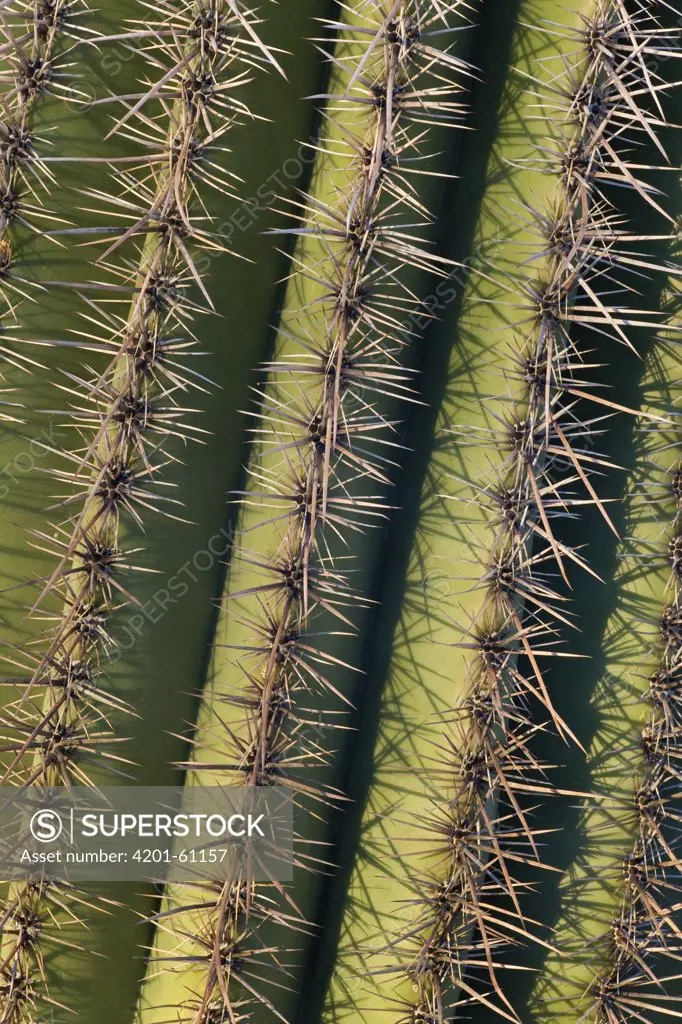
638	957
37	40
326	445
36	44
635	980
59	728
606	106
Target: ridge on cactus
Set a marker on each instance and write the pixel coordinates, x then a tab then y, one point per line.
340	459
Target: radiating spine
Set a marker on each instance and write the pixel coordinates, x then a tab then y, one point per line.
59	726
327	446
436	928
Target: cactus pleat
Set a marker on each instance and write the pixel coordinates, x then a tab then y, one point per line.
435	372
39	51
126	412
38	43
618	931
435	916
41	48
619	923
282	680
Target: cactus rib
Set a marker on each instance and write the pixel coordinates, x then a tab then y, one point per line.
58	729
457	917
620	922
326	448
35	64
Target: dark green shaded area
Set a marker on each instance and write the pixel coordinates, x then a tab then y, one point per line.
457	225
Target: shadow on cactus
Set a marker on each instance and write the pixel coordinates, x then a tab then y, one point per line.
383	294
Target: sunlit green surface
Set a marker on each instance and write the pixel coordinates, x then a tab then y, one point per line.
362	558
428	674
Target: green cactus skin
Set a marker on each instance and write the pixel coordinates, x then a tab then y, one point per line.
618	925
435	918
74	981
617	914
439	714
318	487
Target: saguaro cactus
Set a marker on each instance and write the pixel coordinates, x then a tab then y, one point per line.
440	466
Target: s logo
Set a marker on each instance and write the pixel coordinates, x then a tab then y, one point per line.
46	826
